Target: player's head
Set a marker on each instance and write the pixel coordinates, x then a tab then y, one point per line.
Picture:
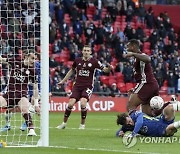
29	57
124	119
86	51
133	45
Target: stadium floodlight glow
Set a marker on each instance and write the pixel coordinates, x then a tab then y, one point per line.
24	29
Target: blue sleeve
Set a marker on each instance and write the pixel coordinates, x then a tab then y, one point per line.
117	133
138	123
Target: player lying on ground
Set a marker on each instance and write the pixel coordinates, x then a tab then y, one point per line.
140	123
85	68
147	85
16	95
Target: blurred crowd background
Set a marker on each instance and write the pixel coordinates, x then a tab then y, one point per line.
106	25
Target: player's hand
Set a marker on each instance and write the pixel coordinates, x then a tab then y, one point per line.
121	134
130	91
60	83
37	109
109	66
128	54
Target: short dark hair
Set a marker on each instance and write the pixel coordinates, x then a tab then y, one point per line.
121	119
134	42
87	46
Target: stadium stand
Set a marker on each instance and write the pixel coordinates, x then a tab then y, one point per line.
106	25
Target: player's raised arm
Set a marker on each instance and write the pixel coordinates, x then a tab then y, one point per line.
133	50
68	75
141	56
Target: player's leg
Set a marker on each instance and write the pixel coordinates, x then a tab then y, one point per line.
169	116
31	110
144	92
74	97
67	113
85	96
83	112
147	109
8	115
168	112
3	103
23	105
172	128
133	102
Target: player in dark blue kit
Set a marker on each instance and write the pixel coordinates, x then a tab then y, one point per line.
140	123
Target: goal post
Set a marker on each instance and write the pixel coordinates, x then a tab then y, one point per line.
24	31
44	122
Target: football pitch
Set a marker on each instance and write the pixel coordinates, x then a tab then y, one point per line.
98	138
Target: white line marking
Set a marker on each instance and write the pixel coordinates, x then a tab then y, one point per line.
89	149
95	129
108	150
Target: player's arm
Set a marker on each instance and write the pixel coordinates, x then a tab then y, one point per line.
120	133
68	75
138	123
142	57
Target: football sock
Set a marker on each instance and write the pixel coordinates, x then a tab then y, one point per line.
8	117
83	114
176	124
176	105
28	120
67	113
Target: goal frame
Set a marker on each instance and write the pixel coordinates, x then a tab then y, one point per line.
44	119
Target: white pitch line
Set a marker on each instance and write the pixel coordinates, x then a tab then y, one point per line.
88	149
95	129
105	150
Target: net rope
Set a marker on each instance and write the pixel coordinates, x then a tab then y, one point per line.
20	31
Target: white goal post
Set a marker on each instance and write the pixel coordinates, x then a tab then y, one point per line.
24	31
44	73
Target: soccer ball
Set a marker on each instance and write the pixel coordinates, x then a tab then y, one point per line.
156	103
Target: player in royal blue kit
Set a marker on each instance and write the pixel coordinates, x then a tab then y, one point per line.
140	123
85	68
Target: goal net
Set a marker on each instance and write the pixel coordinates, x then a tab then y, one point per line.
20	33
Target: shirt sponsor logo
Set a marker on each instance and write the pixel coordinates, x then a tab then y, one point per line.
84	73
19	77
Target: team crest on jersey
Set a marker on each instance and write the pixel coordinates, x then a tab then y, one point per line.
84	65
22	69
27	72
89	65
144	129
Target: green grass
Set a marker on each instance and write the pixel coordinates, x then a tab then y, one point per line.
98	137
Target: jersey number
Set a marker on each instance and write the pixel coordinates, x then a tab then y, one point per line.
89	92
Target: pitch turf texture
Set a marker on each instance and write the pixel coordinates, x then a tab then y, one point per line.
97	138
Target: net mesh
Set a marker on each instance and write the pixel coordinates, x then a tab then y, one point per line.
20	32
